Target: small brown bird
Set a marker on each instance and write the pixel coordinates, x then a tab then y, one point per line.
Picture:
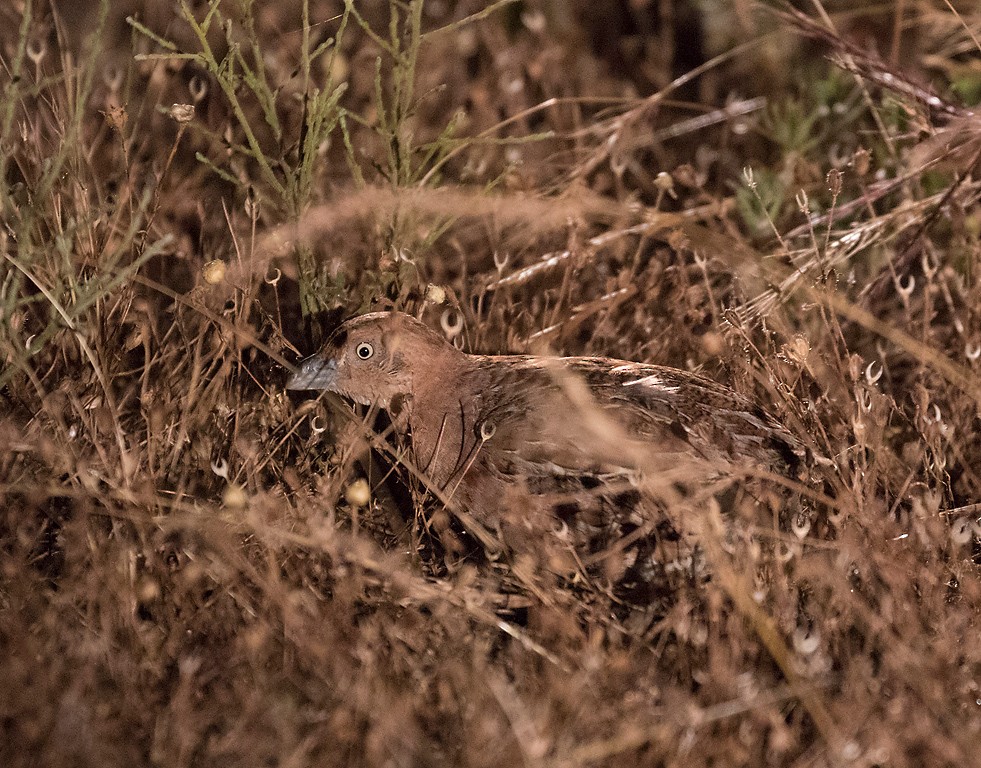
478	425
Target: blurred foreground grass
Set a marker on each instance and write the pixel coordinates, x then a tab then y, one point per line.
190	571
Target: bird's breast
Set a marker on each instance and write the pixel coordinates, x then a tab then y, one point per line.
443	436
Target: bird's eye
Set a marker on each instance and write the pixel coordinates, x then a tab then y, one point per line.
364	350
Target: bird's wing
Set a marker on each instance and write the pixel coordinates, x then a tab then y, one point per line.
557	424
559	417
715	421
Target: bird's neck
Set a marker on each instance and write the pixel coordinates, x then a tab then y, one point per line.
442	414
441	375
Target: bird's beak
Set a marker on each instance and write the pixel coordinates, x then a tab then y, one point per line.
314	373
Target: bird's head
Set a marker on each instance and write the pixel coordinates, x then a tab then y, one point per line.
376	358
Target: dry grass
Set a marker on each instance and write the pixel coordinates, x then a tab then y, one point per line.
189	573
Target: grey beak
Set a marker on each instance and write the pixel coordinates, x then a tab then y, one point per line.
314	373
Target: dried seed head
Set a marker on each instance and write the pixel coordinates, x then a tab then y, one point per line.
435	294
198	88
834	181
234	497
36	51
358	494
861	161
148	589
213	272
487	430
452	323
182	113
117	117
797	350
713	343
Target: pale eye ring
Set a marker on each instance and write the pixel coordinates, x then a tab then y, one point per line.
364	350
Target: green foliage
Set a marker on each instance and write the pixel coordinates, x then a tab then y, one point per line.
287	183
67	250
396	103
287	179
761	201
967	85
825	105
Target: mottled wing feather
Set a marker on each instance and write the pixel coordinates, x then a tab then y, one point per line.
715	421
537	427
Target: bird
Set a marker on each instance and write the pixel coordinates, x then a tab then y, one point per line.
562	428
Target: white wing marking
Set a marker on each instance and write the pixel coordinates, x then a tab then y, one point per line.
654	382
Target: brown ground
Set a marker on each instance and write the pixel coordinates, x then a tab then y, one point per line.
190	573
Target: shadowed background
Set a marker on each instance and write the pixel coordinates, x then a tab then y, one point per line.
191	568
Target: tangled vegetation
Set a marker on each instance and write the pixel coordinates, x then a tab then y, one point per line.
197	567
